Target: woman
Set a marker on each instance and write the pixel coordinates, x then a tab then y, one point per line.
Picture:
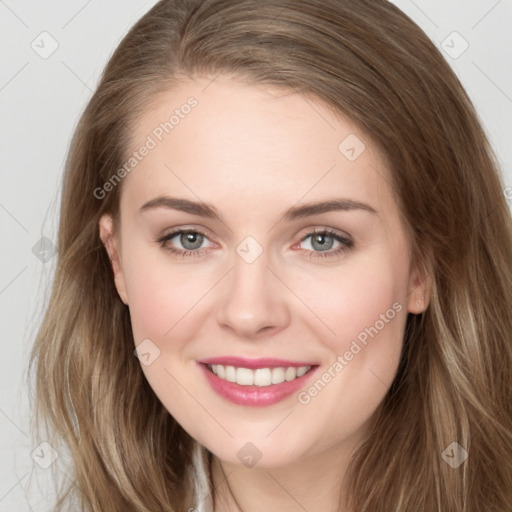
291	213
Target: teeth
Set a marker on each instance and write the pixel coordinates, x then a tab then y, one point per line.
301	371
244	376
263	377
230	373
221	371
290	374
259	377
277	375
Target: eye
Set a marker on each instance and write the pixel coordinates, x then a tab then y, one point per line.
321	242
184	242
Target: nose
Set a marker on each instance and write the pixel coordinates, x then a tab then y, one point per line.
254	301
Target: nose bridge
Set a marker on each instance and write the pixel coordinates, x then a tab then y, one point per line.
254	299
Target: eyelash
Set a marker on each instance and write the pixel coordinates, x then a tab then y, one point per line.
346	243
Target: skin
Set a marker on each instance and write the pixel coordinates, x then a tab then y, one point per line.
253	152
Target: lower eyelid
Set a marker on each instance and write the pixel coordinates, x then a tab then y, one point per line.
345	243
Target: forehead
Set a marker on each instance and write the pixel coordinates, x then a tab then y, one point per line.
246	147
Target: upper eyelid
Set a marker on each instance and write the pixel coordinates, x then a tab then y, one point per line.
305	234
173	233
329	231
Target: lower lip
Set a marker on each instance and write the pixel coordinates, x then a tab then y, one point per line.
254	396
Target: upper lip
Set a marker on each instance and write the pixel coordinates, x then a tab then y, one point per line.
262	362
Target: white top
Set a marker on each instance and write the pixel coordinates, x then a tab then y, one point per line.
201	479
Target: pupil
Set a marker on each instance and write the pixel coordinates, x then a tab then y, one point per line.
321	240
191	240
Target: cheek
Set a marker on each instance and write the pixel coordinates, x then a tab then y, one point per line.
364	306
162	299
357	298
367	314
150	301
161	292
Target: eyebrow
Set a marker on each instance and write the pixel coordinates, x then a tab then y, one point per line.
294	213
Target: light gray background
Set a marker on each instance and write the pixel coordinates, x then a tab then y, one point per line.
40	101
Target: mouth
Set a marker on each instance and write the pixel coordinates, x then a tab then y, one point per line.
256	382
260	376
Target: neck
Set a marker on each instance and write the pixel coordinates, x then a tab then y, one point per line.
312	483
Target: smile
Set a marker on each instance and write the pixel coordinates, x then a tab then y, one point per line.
260	376
256	382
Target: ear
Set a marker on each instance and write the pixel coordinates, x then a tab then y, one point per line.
420	284
111	243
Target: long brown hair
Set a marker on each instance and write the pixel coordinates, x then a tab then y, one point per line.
367	60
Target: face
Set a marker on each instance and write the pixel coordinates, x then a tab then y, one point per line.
267	272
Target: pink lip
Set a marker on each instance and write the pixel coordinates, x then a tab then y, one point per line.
254	396
253	364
